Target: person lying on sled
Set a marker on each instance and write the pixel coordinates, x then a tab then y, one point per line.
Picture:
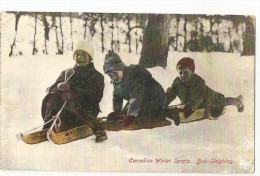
145	96
195	94
82	87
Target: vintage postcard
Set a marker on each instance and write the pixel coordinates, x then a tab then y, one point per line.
127	92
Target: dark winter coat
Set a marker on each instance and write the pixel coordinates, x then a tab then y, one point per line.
196	94
87	84
144	94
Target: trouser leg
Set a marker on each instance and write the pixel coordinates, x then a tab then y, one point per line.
52	107
231	101
90	120
96	127
238	102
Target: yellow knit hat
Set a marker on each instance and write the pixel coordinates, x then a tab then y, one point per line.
85	46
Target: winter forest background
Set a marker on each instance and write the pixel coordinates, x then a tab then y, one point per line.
151	35
37	46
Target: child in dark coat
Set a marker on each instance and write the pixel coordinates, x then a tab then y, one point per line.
145	96
82	89
195	94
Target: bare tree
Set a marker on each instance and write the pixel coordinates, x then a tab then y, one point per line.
231	47
178	18
219	46
249	37
71	33
46	32
155	41
86	17
118	35
54	24
102	32
53	16
17	17
93	22
62	36
140	23
34	36
185	34
128	36
111	18
136	40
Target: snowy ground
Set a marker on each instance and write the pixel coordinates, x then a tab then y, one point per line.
24	80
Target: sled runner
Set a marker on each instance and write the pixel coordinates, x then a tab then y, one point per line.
34	138
138	123
57	138
197	115
85	131
69	135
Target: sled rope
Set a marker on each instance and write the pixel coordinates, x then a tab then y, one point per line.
56	117
18	136
66	79
54	124
35	128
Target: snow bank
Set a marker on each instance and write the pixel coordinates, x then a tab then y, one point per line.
25	80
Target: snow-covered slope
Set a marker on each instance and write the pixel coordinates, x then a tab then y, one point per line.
25	79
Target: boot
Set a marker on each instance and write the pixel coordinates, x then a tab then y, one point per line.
240	104
100	135
93	123
174	115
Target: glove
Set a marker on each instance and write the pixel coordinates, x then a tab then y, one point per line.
115	115
187	111
68	96
63	86
127	120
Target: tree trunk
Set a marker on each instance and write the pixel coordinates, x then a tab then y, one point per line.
56	32
128	35
102	32
177	32
34	36
17	17
156	41
62	36
219	45
231	47
71	34
46	33
118	36
136	41
57	39
136	37
112	33
185	34
249	38
210	34
85	27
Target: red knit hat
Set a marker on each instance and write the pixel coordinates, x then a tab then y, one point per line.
186	62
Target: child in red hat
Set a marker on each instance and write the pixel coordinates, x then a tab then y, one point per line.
195	94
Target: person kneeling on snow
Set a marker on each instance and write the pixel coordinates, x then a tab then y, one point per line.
195	94
134	83
82	87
